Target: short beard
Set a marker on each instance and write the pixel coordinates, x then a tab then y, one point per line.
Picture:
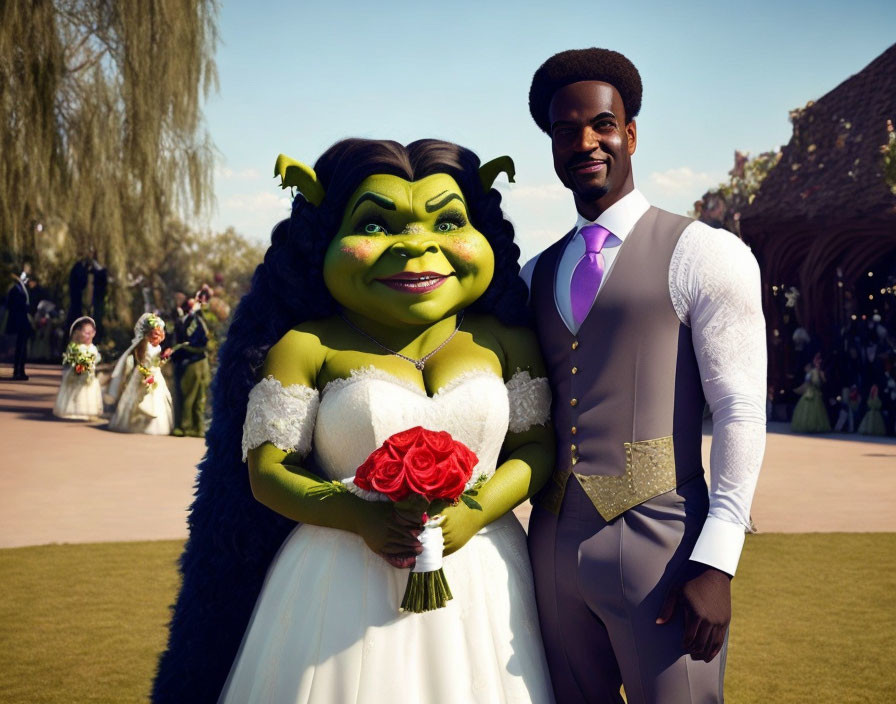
594	193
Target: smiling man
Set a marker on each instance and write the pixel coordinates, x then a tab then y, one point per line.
643	317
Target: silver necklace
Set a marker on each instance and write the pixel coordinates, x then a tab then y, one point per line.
419	363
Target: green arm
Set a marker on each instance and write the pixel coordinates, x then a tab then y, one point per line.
281	483
279	480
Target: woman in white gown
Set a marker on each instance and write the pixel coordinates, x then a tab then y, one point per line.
143	400
80	396
413	323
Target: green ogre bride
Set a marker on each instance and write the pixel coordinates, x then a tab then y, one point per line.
404	290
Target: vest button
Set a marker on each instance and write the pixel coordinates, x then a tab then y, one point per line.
575	370
574	402
573	448
573	430
575	344
575	459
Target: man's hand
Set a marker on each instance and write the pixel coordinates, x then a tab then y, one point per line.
704	595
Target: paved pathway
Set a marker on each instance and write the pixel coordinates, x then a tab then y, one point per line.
74	482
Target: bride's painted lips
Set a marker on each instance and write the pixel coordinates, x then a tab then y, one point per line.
414	282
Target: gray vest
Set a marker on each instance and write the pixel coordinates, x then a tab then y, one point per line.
627	399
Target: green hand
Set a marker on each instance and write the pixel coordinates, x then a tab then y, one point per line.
459	525
282	484
388	533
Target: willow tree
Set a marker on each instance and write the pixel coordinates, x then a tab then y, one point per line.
102	138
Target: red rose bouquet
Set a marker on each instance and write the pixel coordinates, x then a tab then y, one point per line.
432	470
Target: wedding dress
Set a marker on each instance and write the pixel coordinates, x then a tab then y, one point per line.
326	628
142	410
80	396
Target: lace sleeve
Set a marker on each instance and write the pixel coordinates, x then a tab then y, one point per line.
530	401
715	287
281	415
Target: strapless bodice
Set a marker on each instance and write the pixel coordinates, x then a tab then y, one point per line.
357	414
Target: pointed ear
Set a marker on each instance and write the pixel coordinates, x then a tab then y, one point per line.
297	175
489	172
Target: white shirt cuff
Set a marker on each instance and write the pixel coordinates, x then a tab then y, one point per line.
719	545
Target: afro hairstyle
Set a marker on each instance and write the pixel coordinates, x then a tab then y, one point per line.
577	65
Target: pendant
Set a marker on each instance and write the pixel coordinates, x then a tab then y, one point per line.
419	363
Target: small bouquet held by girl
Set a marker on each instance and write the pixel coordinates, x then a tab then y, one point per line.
80	396
81	360
423	471
150	383
143	402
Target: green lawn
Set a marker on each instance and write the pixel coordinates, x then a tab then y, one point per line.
815	620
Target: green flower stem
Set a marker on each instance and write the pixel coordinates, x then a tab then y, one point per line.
426	591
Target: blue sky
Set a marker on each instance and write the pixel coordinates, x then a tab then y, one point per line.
718	76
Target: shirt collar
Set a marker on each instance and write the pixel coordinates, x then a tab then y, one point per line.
620	217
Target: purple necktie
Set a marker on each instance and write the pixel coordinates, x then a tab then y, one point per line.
589	271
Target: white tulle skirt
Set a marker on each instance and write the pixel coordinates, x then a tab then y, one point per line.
326	628
147	412
80	397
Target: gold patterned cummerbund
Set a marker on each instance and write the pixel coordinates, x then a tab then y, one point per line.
649	472
551	495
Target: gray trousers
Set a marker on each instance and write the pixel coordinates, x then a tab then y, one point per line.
600	587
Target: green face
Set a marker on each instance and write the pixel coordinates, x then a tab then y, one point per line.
406	253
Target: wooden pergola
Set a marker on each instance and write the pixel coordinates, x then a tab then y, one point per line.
824	220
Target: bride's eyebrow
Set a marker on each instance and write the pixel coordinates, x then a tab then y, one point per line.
431	207
378	198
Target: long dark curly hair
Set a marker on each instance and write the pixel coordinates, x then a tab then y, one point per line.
233	538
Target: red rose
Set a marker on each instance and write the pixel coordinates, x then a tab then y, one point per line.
405	440
79	369
390	479
419	461
383	474
441	443
455	474
150	380
422	471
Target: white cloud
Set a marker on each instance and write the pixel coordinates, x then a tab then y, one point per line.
253	214
539	192
260	202
227	174
677	189
541	214
683	181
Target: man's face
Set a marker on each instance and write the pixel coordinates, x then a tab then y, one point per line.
592	144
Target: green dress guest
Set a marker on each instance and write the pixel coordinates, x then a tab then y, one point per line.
810	415
873	421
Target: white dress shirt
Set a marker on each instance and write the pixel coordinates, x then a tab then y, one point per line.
715	290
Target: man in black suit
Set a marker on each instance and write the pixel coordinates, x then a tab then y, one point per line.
18	323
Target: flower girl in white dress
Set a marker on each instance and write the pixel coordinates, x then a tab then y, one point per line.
143	399
80	396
